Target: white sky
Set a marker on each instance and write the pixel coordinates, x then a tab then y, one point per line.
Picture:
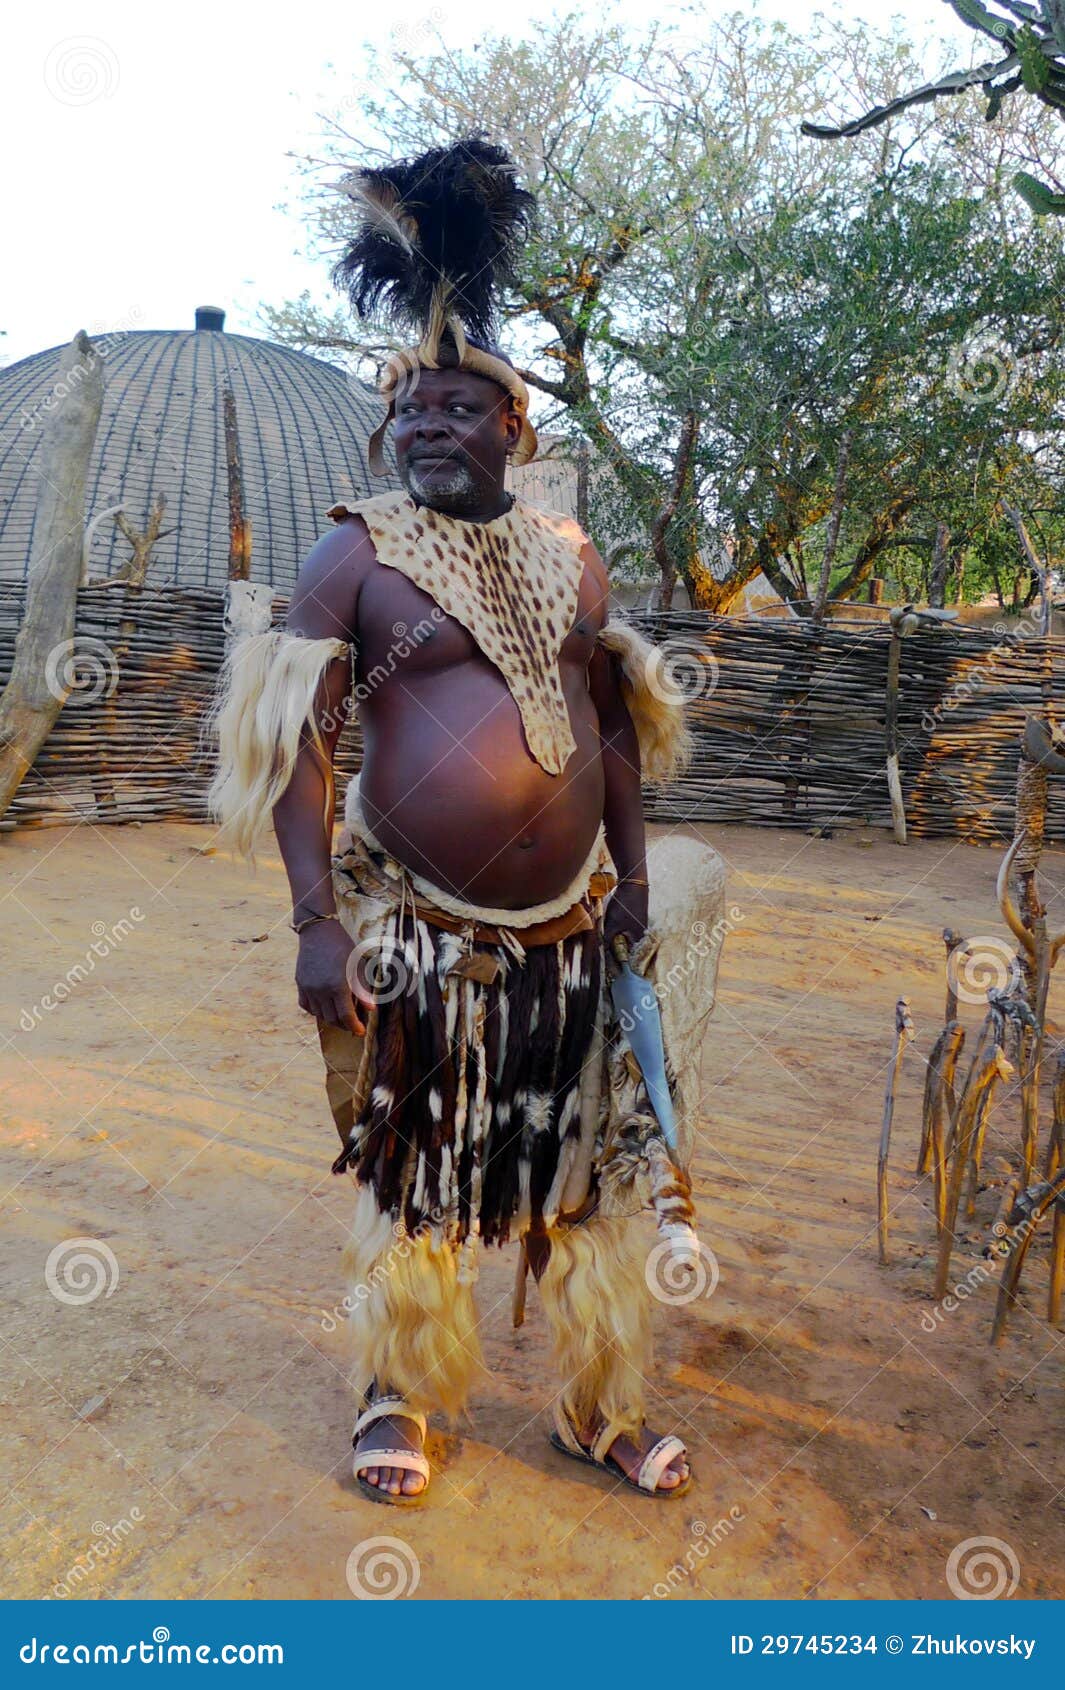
145	149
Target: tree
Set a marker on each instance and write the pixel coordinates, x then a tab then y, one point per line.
711	301
1032	57
903	333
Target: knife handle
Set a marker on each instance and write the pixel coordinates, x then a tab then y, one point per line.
620	947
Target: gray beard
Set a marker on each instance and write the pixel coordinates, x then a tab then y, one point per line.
458	492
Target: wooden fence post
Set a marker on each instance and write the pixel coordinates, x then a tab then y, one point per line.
40	683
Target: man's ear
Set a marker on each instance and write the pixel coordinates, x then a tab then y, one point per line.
513	424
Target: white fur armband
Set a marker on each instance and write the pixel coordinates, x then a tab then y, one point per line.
655	705
267	691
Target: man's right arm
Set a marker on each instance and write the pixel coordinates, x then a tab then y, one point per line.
324	606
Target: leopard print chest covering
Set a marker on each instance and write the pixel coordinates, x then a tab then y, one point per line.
512	583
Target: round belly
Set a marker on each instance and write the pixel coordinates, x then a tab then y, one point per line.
450	789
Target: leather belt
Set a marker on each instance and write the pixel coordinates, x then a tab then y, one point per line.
577	919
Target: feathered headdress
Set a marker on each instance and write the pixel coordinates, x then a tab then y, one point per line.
436	244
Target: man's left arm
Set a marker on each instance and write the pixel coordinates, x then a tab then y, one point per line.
623	802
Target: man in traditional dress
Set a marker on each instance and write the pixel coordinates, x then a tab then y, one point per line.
454	948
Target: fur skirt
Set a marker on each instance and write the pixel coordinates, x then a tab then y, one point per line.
470	1114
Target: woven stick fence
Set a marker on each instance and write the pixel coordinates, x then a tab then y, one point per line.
789	723
129	742
788	718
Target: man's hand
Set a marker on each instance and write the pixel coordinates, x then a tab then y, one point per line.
323	977
626	913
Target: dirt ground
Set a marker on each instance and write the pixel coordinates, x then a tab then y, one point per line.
176	1417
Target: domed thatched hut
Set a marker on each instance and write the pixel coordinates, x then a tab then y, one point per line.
209	458
214	458
301	432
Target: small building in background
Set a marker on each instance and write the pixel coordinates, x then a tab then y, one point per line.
554	480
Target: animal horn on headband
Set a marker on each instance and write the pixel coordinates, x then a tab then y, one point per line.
437	239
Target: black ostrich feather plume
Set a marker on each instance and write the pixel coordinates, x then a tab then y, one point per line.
439	234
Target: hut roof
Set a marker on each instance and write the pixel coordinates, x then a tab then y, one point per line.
303	425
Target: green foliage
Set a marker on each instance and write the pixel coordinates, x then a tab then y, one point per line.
1032	37
1041	199
717	304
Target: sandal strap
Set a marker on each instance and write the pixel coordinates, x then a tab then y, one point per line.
410	1460
565	1428
394	1407
653	1464
657	1460
608	1435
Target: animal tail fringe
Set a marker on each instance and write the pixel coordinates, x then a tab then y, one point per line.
264	705
598	1306
412	1323
665	741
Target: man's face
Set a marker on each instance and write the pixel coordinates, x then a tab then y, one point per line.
452	433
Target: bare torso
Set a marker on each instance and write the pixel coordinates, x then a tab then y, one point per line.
448	784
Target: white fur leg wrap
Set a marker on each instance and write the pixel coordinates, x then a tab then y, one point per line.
265	702
412	1321
598	1304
